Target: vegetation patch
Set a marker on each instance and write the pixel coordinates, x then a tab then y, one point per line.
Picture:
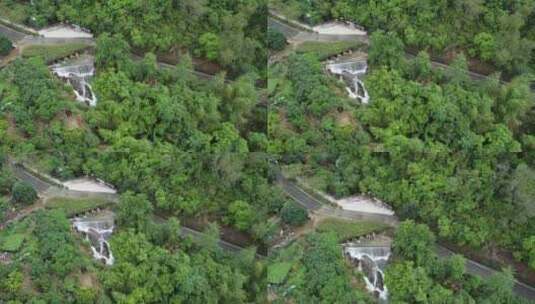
13	11
12	242
72	206
5	45
324	50
50	53
278	272
346	230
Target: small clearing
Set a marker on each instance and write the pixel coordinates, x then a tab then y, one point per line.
64	31
338	28
88	185
361	203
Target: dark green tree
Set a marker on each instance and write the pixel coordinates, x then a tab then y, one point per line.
5	45
414	242
276	40
134	211
386	49
23	193
293	215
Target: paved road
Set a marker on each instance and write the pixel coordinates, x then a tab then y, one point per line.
297	194
314	205
39	185
478	269
13	35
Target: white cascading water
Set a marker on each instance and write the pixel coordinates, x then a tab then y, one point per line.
351	72
78	73
97	229
371	261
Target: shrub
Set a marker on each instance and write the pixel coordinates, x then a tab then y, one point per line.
23	193
293	215
278	272
12	242
276	40
6	181
210	44
5	45
4	208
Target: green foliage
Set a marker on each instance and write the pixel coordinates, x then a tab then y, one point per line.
14	11
346	230
209	44
485	46
293	214
529	248
31	94
4	207
164	26
49	261
134	210
73	206
13	283
6	181
275	40
414	242
278	272
386	49
324	275
407	284
497	33
56	251
522	191
12	242
23	193
444	135
151	274
324	50
241	214
111	51
5	45
51	53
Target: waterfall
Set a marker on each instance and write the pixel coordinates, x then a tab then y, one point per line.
78	74
97	229
371	261
351	73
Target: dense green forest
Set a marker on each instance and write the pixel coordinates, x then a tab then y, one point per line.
172	144
440	147
494	35
454	157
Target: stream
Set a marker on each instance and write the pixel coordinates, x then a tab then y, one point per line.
371	260
78	72
351	72
97	228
